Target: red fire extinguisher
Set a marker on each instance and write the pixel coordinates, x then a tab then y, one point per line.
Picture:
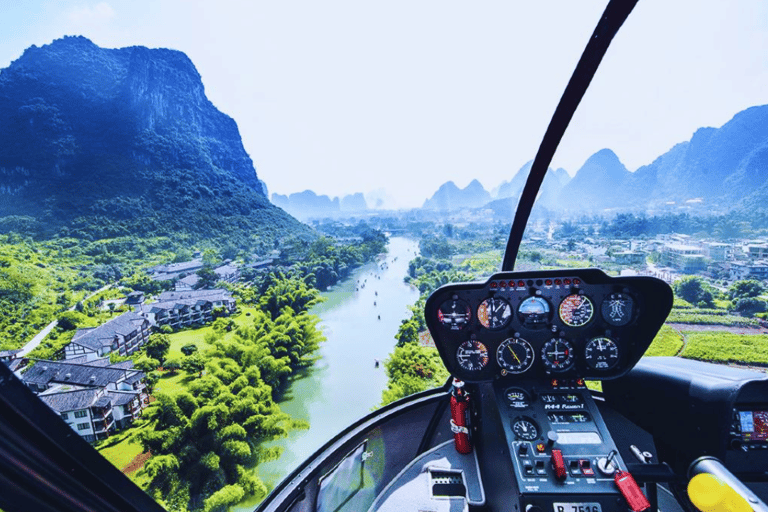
460	417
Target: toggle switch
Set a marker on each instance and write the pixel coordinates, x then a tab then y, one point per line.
558	464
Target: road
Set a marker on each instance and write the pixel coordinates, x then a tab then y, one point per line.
39	337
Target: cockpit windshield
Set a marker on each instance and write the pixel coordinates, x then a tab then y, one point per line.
227	234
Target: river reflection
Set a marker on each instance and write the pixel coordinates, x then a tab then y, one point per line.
344	384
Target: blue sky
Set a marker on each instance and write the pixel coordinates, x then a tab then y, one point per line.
343	96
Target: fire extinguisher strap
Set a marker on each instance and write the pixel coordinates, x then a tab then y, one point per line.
458	429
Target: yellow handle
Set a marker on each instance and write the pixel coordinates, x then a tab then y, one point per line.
710	494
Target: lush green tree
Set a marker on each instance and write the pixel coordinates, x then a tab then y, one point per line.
694	290
412	368
748	306
172	364
745	289
208	278
188	349
145	363
70	320
293	293
157	346
193	363
221	500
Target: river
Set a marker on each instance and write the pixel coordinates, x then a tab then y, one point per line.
344	384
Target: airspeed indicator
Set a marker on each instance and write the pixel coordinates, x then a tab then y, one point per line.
576	310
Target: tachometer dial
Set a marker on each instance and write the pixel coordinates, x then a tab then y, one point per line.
617	309
601	353
557	355
534	311
454	314
525	429
576	310
515	355
494	313
472	355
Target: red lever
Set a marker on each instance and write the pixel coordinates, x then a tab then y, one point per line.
631	491
558	465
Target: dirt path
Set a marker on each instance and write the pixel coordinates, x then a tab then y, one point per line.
137	463
721	328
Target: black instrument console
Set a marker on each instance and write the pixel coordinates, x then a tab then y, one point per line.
546	323
559	444
536	336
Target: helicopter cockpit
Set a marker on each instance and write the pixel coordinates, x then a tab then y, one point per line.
551	406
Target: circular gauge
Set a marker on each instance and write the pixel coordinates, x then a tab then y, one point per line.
576	310
557	355
525	429
617	309
601	353
534	311
454	314
518	399
494	313
472	355
515	355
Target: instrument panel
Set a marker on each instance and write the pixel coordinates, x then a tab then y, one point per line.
546	323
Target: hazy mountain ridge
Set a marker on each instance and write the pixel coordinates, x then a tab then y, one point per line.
718	168
128	137
307	204
450	197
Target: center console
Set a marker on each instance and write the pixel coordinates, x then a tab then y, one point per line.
559	445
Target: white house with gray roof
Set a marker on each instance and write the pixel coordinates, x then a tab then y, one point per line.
94	398
123	334
185	308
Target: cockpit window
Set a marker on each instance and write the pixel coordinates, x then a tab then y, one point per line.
219	228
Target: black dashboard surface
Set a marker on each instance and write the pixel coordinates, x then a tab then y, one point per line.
559	323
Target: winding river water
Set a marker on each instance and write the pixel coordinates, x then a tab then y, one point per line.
359	319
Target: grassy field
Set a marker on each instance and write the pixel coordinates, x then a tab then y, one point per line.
667	342
122	448
197	336
726	347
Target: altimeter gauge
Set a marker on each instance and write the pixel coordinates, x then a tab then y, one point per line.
576	310
601	353
472	355
515	355
494	313
454	314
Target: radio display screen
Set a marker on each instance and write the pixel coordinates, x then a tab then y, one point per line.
754	425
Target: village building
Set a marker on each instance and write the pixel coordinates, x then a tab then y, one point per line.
123	334
187	307
174	271
95	398
742	270
687	259
11	359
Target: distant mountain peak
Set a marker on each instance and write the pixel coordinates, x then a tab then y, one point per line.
450	197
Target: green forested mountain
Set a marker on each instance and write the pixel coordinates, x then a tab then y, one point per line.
100	143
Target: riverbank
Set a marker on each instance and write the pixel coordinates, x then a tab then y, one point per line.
344	384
